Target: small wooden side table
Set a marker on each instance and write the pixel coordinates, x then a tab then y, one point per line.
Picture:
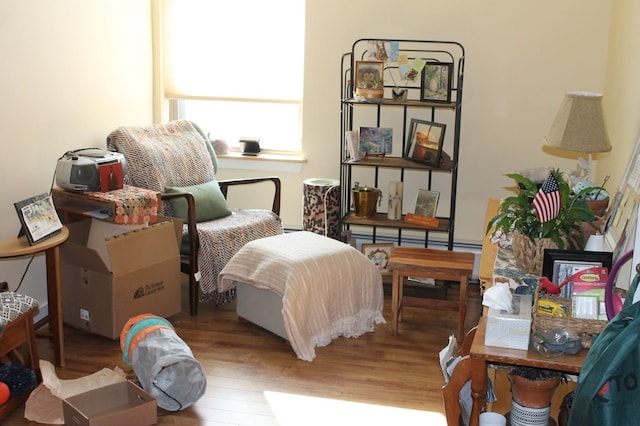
429	263
19	247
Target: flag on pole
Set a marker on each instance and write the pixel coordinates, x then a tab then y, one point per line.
546	203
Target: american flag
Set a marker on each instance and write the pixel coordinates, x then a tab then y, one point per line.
547	201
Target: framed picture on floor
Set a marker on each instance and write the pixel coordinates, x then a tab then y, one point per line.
378	254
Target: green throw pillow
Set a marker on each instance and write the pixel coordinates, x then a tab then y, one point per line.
210	203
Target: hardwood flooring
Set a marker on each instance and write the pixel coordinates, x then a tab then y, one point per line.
254	378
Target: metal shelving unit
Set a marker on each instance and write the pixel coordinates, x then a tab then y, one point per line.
377	111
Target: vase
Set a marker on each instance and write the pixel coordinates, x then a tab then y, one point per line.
599	207
529	255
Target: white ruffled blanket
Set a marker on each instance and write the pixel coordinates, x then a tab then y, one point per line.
328	288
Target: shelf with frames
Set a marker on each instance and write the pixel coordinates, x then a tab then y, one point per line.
377	113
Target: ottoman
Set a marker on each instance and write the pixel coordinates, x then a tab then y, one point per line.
305	287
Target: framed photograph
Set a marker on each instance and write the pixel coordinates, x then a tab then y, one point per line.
378	254
436	82
38	218
369	76
558	265
427	202
425	142
375	140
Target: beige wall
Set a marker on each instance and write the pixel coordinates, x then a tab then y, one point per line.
73	70
622	88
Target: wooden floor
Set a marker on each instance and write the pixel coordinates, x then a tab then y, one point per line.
254	378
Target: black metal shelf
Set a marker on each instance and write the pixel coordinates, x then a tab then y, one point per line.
412	107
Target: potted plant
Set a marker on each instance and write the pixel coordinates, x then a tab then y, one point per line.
517	218
532	390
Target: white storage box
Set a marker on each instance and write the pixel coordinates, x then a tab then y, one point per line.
510	330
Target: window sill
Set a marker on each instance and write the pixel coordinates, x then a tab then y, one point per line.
263	162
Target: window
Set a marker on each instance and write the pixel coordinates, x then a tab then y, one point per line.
236	68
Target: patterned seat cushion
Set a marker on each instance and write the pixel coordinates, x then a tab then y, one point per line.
13	304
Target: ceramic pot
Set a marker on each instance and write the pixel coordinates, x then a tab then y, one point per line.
533	393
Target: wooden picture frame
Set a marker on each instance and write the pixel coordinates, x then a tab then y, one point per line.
435	85
558	265
38	218
427	202
369	79
378	254
425	142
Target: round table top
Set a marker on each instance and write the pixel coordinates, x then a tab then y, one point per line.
16	247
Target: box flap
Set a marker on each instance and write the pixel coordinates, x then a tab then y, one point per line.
143	247
75	252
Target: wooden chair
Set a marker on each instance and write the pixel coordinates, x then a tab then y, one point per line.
18	340
177	160
461	375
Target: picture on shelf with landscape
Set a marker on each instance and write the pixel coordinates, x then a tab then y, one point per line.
375	140
436	82
427	202
425	142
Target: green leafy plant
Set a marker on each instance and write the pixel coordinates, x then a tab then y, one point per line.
516	213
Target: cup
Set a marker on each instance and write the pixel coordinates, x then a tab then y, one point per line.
492	419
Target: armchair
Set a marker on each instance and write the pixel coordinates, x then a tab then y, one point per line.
177	160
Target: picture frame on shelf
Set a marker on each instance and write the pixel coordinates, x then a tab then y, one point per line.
436	82
369	79
559	265
378	254
38	218
427	202
375	140
425	142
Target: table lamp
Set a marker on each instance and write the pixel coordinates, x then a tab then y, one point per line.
579	126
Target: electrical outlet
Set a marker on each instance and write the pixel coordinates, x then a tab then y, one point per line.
85	315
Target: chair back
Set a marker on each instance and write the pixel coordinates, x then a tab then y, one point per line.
461	375
172	154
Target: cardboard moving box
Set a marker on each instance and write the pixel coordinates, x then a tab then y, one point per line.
141	275
119	404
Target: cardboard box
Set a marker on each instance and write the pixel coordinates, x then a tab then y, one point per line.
510	330
141	274
119	404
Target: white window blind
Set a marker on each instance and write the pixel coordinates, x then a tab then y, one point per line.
236	68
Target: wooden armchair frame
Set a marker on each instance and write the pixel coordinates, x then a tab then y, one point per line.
189	264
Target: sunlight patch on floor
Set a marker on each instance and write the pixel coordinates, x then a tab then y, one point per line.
296	410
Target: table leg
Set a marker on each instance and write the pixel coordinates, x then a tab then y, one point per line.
462	307
54	299
478	389
395	288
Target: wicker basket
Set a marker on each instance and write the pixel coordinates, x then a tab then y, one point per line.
586	328
529	255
